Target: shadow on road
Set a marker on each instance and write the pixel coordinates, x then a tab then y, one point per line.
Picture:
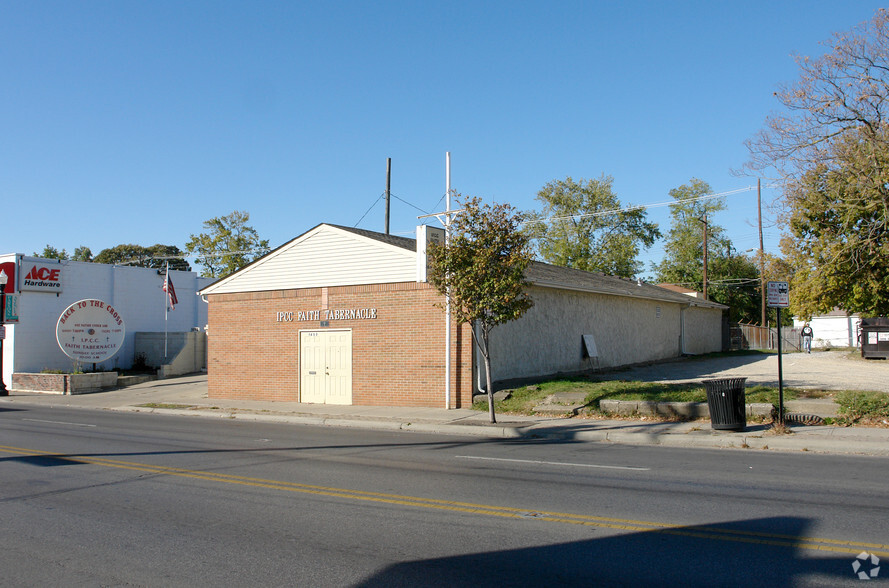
762	552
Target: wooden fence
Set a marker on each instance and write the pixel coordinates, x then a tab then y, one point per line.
756	337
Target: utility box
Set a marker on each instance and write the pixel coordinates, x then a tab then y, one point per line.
875	337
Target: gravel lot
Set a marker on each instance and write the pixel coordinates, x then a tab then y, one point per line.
826	370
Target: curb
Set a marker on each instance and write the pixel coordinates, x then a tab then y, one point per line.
688	439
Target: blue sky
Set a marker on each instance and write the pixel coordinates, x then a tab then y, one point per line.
134	122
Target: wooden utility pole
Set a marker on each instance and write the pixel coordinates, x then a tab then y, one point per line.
388	182
705	254
762	261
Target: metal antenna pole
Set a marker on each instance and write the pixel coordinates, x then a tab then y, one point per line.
448	292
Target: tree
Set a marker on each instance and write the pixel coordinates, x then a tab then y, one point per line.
482	269
839	230
830	146
82	253
156	256
844	90
732	278
581	225
736	284
50	252
684	247
228	245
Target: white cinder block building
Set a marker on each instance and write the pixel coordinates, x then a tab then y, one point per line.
42	289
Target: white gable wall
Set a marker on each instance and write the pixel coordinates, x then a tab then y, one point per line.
325	256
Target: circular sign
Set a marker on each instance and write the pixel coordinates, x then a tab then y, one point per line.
90	331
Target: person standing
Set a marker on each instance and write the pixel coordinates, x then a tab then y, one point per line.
807	338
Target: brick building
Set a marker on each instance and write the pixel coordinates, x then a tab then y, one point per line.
345	316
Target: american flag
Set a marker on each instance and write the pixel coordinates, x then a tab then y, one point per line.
170	290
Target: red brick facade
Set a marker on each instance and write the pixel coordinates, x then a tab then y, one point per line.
397	357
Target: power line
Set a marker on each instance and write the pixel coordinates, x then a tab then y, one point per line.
375	202
645	206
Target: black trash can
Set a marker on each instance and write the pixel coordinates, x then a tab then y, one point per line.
727	403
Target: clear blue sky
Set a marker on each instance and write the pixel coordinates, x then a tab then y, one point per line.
133	122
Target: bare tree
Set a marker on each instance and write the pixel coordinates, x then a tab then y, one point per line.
830	147
845	89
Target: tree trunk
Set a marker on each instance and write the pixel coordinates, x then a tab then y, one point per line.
490	389
487	357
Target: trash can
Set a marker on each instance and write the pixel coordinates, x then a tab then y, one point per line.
727	403
875	337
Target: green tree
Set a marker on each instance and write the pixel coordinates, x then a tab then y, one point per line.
839	230
684	246
581	225
482	269
82	253
156	256
732	278
736	284
830	146
227	245
50	252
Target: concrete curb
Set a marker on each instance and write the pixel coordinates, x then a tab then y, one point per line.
701	439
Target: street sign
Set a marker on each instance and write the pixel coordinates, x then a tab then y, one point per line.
778	295
11	308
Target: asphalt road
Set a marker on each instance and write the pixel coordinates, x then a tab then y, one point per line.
100	498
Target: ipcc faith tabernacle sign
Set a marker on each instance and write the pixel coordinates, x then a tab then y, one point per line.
90	331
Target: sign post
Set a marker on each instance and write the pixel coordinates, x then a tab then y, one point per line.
778	298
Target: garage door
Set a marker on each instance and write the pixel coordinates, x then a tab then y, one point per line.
325	374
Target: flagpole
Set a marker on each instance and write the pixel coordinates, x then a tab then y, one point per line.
166	307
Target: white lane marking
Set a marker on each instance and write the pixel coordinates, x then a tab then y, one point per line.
59	423
556	463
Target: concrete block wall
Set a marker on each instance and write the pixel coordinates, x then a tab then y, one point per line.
547	339
186	353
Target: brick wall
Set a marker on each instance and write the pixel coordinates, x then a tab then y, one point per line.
397	357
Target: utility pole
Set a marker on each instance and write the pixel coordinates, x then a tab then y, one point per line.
762	263
704	220
388	193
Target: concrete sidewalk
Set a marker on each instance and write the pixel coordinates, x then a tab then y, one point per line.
187	396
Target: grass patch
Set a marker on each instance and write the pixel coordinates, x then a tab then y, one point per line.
861	406
164	405
523	400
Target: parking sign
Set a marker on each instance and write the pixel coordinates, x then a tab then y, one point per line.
778	295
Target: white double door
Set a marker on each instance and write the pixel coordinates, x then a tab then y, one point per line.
325	371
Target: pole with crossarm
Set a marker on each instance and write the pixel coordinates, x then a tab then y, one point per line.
445	218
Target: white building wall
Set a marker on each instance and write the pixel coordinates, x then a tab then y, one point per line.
547	339
136	293
703	330
832	330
